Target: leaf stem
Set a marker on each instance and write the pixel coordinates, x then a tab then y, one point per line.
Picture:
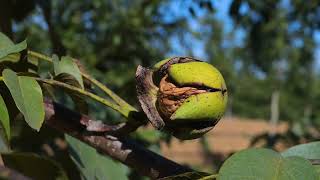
105	89
40	56
123	104
86	93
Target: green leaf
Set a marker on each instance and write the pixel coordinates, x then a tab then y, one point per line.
317	167
4	117
27	95
92	164
34	166
67	65
265	164
13	49
307	151
79	99
188	176
10	51
5	41
15	57
5	51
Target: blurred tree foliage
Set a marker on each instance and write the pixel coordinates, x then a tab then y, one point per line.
109	37
278	52
112	37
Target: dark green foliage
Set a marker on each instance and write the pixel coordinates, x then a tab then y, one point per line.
34	166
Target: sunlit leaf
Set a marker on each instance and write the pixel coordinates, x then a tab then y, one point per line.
4	117
8	48
10	51
34	166
266	164
27	95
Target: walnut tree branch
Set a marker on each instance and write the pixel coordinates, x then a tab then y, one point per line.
118	146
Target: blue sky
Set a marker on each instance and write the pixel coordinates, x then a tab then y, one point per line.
222	8
178	8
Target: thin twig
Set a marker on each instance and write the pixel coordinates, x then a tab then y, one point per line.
83	92
105	89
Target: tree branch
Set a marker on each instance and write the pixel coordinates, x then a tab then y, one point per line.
117	146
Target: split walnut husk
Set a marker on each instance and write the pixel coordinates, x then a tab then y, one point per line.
182	95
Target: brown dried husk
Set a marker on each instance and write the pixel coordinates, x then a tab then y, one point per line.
170	96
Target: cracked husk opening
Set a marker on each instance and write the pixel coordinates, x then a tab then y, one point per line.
170	97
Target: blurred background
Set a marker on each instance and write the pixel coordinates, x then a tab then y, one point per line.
268	52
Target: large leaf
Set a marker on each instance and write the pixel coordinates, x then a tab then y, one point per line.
7	47
34	166
67	65
4	117
27	95
308	151
92	164
264	164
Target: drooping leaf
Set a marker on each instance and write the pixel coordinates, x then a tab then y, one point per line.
34	166
10	51
265	164
13	49
188	176
4	117
27	95
67	65
78	99
308	151
92	164
5	41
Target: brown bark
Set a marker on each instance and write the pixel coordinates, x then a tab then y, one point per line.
118	147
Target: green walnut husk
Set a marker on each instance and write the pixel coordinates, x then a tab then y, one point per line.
182	95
